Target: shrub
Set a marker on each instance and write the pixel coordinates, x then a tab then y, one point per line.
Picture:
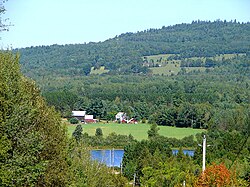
73	120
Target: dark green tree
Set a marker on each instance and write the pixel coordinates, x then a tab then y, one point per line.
73	120
153	131
96	108
98	132
77	134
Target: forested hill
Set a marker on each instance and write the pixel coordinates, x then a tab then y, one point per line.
124	53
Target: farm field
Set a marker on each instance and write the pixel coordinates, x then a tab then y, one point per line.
139	131
167	69
172	67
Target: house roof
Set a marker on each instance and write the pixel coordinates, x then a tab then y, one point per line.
78	113
89	116
120	114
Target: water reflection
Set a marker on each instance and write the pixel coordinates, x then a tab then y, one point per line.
114	157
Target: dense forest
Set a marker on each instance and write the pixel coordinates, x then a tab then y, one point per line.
188	75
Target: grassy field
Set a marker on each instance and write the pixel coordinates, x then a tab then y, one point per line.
172	67
139	131
157	57
166	70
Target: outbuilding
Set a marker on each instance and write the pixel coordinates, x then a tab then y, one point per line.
89	119
80	115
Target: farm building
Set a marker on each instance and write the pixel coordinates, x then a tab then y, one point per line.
120	116
79	115
123	118
83	117
132	120
89	119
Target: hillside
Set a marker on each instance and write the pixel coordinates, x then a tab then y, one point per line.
195	77
123	54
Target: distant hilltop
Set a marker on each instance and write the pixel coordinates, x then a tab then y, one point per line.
124	54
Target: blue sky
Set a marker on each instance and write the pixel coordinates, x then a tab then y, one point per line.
47	22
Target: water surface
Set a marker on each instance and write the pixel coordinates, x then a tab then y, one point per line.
114	157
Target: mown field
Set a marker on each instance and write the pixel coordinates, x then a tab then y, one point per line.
172	67
139	131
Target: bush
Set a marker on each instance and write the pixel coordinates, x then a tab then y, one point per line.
143	120
73	120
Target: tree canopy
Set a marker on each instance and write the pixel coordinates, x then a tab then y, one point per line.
32	140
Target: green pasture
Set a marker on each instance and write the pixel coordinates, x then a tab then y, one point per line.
166	70
228	56
139	131
157	57
172	67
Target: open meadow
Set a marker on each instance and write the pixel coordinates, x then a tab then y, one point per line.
139	131
173	67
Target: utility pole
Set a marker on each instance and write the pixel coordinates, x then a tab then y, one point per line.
184	183
110	158
204	145
204	154
121	168
113	163
134	180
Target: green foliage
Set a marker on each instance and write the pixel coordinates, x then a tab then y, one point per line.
139	154
170	172
32	139
73	120
63	101
113	140
96	108
153	131
85	172
98	132
77	134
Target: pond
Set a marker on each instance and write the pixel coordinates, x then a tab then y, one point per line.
114	157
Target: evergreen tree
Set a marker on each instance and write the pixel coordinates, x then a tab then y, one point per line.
153	131
98	132
77	134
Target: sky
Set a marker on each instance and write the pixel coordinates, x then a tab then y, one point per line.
48	22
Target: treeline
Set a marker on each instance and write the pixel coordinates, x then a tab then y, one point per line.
123	54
